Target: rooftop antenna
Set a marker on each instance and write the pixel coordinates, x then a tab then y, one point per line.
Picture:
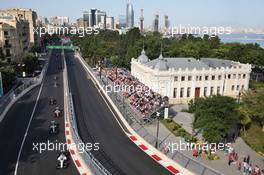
161	47
143	50
161	50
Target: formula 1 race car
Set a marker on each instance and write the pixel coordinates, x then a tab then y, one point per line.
53	127
62	160
55	84
52	101
55	78
57	112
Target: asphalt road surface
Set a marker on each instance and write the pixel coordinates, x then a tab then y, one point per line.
97	124
14	126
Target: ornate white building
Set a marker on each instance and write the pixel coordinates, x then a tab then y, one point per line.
183	79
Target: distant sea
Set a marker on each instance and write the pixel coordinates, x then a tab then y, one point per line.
243	38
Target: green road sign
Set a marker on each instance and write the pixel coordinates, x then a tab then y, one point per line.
62	47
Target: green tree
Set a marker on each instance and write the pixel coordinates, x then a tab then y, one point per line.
214	42
31	63
215	115
126	46
245	117
254	102
8	74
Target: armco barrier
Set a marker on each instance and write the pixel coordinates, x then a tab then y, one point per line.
169	164
84	161
7	101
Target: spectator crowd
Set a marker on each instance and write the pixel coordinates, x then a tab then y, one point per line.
141	97
245	166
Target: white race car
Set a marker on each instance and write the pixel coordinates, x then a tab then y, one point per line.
52	101
57	112
53	127
62	160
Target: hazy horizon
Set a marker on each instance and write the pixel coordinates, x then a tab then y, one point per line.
188	12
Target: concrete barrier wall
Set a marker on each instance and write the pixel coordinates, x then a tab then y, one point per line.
14	98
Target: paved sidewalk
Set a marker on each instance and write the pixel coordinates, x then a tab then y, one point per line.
183	118
220	165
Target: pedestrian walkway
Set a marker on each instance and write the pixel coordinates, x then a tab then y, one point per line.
221	165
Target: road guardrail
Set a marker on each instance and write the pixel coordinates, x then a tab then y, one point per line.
94	165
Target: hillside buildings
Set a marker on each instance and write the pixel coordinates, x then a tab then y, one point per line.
42	21
26	15
59	20
14	38
81	23
17	35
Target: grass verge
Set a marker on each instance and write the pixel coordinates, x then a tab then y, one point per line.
177	130
255	138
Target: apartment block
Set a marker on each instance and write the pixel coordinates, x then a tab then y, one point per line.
14	37
27	15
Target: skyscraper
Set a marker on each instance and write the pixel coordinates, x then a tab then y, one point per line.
86	17
141	22
156	23
95	17
110	23
101	19
166	22
92	18
121	21
129	15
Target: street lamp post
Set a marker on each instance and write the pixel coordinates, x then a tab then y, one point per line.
157	136
239	96
100	69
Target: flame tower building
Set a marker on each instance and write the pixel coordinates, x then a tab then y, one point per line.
129	15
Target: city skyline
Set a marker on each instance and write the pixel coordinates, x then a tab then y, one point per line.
209	13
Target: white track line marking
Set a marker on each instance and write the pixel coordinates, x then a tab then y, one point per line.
25	136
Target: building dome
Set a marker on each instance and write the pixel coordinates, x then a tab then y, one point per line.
143	58
161	64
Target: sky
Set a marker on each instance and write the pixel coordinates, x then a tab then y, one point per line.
234	13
